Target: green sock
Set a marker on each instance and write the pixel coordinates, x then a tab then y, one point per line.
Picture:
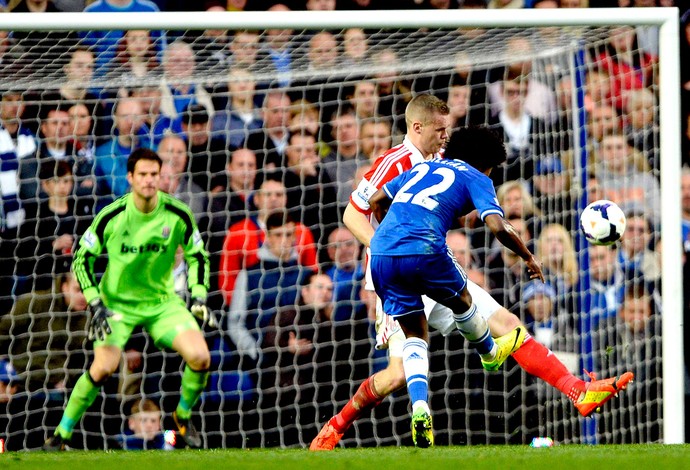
193	383
83	395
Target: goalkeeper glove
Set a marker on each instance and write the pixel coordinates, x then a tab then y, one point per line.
201	311
98	326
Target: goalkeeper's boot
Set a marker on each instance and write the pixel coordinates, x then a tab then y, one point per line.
327	438
422	429
598	392
186	429
55	443
505	346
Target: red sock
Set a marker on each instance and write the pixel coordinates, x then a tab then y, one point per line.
538	360
364	399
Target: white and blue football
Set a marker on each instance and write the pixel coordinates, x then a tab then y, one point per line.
602	222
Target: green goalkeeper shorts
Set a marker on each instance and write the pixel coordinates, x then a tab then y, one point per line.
163	321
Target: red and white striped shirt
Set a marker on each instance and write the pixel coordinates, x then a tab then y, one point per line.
390	164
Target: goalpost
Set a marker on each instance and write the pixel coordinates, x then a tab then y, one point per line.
469	406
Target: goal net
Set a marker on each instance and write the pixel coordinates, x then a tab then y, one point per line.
578	103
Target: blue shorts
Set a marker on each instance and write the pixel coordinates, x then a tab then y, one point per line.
400	281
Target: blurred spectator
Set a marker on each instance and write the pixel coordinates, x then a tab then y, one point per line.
506	269
265	286
144	428
278	47
175	180
45	336
238	117
685	205
607	284
52	225
459	103
629	66
636	258
136	56
346	272
624	175
522	132
15	141
555	249
269	144
632	341
341	164
207	155
506	4
601	121
244	238
8	381
323	5
306	343
210	45
14	134
105	42
642	127
598	89
311	194
305	116
244	51
551	191
236	200
177	90
365	100
459	245
303	333
83	148
516	201
155	125
54	143
355	48
320	86
33	41
539	315
110	166
539	99
394	93
375	138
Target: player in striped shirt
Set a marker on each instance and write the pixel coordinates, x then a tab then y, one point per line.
427	123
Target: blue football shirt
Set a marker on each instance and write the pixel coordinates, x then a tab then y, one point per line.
426	201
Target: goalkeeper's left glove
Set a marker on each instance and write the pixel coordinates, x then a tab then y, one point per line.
201	311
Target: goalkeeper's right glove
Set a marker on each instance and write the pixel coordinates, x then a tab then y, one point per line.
98	325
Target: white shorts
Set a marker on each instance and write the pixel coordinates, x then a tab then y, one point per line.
389	334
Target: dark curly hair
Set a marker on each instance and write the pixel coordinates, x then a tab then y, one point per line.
480	147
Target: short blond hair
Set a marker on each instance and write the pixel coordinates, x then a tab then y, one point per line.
423	108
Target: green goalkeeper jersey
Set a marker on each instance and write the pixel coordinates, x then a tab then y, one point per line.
141	252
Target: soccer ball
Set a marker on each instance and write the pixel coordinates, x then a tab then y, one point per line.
602	222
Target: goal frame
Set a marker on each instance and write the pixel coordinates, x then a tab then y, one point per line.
667	19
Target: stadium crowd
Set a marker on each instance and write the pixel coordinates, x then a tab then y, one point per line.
266	158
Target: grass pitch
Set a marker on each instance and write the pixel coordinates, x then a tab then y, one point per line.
393	458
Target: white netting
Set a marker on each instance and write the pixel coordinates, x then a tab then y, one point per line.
267	397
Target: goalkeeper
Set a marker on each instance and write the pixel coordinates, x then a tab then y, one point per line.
141	232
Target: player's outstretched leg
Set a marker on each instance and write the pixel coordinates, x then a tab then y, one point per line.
193	383
599	392
506	345
83	395
327	438
367	396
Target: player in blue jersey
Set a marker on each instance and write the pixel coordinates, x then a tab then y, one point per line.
410	258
